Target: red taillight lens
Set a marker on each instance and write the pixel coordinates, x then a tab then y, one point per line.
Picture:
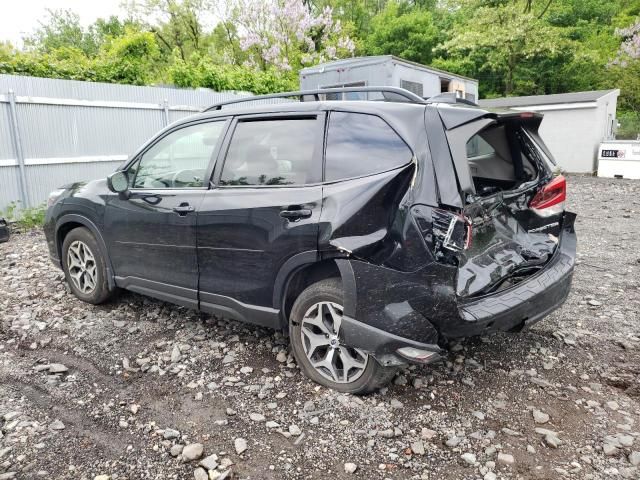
552	194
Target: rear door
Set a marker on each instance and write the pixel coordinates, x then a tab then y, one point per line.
263	210
513	203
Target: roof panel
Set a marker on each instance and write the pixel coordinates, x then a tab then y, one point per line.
575	97
374	60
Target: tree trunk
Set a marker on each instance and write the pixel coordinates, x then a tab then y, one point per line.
511	66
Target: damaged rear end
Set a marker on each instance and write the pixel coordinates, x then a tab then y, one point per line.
469	238
511	240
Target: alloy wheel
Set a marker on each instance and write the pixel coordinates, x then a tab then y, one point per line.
319	330
82	267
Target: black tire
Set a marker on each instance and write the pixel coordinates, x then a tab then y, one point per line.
100	293
373	377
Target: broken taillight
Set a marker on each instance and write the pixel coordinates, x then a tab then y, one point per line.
446	233
550	199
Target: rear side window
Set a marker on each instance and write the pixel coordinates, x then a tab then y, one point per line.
272	152
359	144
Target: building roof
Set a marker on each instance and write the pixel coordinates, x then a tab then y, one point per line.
375	60
558	98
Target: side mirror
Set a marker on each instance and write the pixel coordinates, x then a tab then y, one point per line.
118	182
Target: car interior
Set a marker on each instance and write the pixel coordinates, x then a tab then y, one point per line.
491	156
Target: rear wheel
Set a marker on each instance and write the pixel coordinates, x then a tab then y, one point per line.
84	266
316	318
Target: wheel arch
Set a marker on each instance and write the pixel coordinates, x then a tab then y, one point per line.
69	222
290	283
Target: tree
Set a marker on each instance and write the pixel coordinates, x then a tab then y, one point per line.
285	35
104	29
129	58
357	13
501	40
175	23
402	30
630	47
626	67
203	72
61	29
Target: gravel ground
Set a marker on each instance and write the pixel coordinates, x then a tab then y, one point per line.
140	389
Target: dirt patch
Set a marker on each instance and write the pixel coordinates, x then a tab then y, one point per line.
127	399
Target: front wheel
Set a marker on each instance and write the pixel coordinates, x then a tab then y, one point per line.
314	330
85	267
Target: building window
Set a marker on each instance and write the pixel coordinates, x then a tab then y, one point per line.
444	84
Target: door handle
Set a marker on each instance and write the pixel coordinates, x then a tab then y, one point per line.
183	209
295	214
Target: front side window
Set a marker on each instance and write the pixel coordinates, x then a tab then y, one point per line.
179	160
359	144
271	153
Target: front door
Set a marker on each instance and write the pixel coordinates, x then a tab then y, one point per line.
264	210
151	230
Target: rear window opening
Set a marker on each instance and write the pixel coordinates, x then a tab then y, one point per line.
500	159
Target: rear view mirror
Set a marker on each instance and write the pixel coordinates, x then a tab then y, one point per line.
118	182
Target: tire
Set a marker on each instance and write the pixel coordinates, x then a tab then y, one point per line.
85	267
323	300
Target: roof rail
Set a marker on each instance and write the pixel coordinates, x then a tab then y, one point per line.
449	97
390	94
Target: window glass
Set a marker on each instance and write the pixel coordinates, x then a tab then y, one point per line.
272	152
478	147
179	160
496	162
360	144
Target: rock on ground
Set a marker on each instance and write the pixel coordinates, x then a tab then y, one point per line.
197	378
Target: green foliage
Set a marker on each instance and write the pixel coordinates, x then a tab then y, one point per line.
504	41
25	218
176	24
403	31
357	13
629	125
62	30
128	59
202	72
513	47
63	62
627	78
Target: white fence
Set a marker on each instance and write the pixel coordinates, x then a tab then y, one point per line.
54	132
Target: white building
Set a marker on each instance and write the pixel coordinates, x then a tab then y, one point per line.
574	124
387	71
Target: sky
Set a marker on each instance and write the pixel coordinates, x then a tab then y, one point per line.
20	17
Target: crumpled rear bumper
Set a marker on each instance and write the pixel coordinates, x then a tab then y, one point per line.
525	303
387	310
383	345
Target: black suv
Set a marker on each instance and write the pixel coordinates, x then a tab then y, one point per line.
374	225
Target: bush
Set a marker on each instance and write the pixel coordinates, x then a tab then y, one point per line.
629	126
202	72
26	218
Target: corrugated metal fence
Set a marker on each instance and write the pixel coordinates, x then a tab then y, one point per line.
53	132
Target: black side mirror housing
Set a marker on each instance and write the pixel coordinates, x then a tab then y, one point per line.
118	182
